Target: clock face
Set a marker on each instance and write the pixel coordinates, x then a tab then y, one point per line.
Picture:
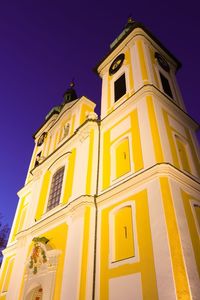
41	139
162	61
116	64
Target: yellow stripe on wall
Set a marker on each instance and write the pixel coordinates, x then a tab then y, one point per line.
90	163
180	276
153	66
84	265
129	64
85	108
73	123
55	140
136	142
192	226
194	155
106	160
69	177
142	60
16	226
108	79
171	140
6	274
43	195
154	131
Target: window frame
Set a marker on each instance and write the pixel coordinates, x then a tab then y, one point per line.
123	70
50	187
167	75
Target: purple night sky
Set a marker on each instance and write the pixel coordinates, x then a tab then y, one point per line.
46	43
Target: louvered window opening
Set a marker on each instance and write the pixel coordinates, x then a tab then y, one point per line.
56	188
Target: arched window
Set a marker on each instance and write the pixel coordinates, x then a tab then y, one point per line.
56	188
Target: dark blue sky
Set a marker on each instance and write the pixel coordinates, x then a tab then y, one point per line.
44	44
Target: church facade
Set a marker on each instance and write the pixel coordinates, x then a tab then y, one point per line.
110	208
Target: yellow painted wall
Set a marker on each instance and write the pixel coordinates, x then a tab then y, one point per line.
68	184
6	274
181	159
19	218
183	155
142	61
152	57
122	157
90	163
57	240
123	234
154	130
43	195
194	234
85	258
179	271
145	264
84	109
135	153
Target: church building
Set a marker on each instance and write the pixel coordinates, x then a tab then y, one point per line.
110	209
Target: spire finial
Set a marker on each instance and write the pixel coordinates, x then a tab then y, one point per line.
72	84
70	93
130	20
129	23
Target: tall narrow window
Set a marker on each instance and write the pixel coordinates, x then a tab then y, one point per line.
122	158
166	85
56	188
37	160
123	228
120	87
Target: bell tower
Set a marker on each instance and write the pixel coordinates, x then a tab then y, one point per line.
148	191
136	59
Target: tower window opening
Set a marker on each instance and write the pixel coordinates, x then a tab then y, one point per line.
56	188
166	85
120	87
37	161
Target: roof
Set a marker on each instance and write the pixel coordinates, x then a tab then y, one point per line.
126	32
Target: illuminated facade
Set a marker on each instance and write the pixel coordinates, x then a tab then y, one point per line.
110	208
